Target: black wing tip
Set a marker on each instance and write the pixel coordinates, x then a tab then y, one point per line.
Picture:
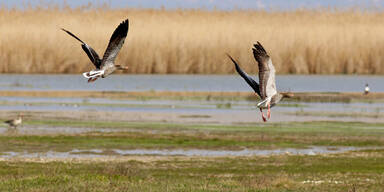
125	22
123	27
66	31
230	57
258	50
121	30
71	34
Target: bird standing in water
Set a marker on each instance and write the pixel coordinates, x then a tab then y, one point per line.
366	89
105	66
266	88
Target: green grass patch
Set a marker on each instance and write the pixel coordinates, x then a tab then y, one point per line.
345	172
168	135
340	114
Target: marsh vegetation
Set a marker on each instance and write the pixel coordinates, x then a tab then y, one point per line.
359	170
194	41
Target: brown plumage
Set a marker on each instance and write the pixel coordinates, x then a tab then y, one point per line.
265	69
266	88
14	123
105	66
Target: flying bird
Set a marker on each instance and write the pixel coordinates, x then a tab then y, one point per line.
266	88
106	65
15	122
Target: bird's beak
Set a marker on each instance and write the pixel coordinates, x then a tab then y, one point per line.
121	67
288	95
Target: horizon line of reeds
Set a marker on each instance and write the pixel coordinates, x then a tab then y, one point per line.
194	41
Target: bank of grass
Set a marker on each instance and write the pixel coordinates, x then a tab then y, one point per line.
192	136
355	171
194	41
330	97
296	127
374	115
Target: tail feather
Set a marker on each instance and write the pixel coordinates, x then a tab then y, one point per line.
263	103
93	74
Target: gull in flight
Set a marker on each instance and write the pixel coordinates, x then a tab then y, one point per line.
266	88
105	66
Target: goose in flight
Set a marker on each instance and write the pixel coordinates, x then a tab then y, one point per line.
15	122
266	88
105	66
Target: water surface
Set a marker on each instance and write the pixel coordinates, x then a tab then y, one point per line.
294	83
76	153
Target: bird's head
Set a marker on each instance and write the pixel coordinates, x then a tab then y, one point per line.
119	67
287	94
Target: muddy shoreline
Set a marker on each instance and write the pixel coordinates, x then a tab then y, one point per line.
298	96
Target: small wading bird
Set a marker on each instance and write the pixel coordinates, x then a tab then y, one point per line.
266	88
105	66
15	122
366	89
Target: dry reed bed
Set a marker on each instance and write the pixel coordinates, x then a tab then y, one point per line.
194	41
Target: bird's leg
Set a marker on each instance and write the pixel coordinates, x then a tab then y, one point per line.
90	80
269	111
262	115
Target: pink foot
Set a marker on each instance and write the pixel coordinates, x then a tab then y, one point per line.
269	111
92	79
262	115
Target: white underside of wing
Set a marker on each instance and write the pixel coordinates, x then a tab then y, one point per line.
271	83
270	88
93	74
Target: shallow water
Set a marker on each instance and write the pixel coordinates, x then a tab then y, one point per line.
105	104
314	150
199	111
185	110
75	153
294	83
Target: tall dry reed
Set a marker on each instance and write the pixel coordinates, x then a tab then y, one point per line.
194	41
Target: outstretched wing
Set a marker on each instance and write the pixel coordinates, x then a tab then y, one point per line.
267	71
88	50
115	43
246	77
